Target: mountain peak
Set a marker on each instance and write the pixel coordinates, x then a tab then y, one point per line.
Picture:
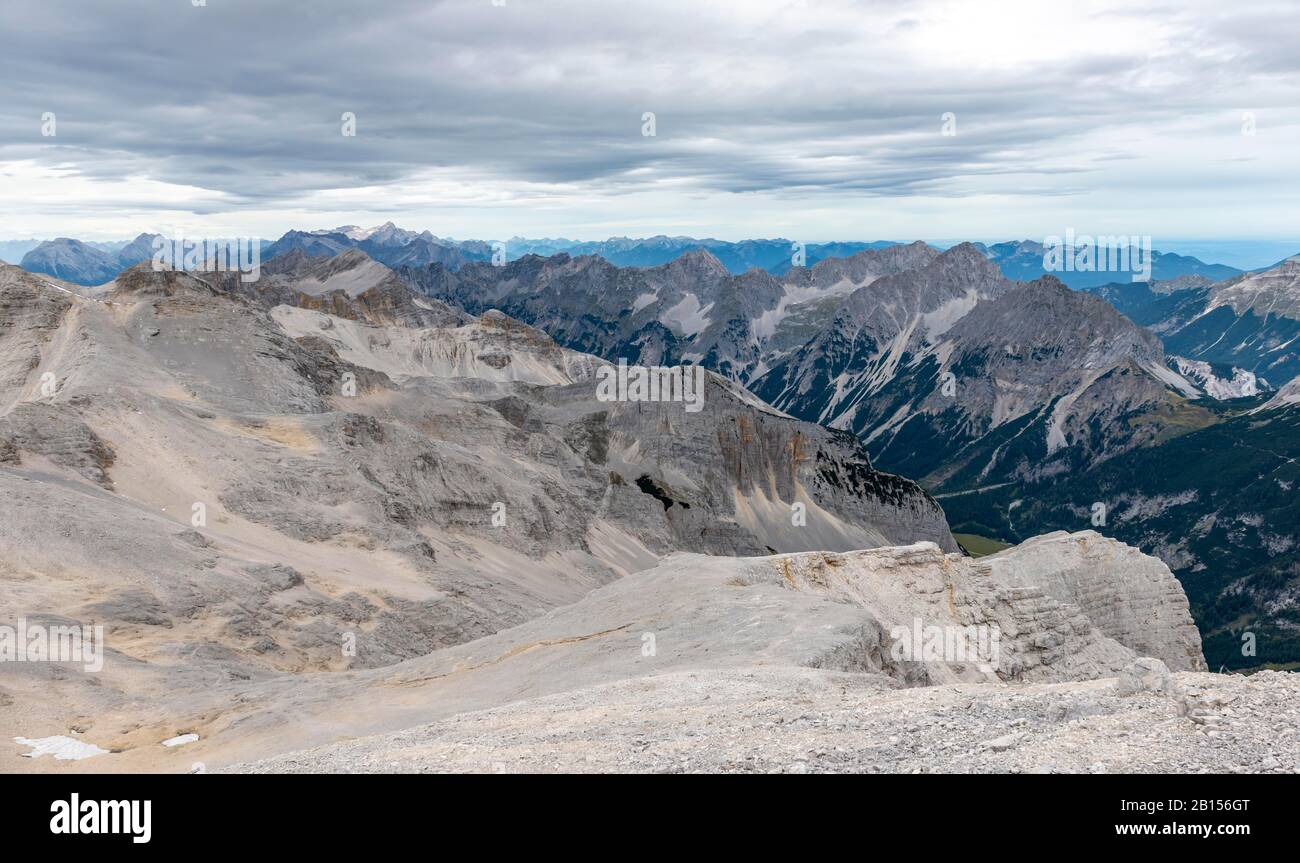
699	261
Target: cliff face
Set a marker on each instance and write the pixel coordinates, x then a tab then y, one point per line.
785	485
1129	596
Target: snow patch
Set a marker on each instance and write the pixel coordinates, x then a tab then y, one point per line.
61	747
180	740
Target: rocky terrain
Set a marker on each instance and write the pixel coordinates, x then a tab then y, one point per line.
231	483
1217	504
763	629
953	374
808	721
1247	322
322	507
1025	407
689	309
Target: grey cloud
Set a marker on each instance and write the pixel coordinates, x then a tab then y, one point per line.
244	99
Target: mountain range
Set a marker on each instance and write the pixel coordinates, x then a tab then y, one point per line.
990	392
86	264
1250	321
395	246
1021	405
327	495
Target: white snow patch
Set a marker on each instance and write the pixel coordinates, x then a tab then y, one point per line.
61	747
180	740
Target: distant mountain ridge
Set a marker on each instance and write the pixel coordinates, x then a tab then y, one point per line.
690	309
1024	261
84	263
395	247
1250	321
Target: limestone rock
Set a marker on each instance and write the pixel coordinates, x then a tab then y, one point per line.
1146	675
1154	618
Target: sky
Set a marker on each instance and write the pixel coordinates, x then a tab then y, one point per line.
806	119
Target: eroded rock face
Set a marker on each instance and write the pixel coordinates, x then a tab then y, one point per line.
56	433
1129	596
450	516
1053	602
688	309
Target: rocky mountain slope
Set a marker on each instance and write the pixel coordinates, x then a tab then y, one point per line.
782	720
690	309
903	346
325	496
1249	322
991	392
1217	504
954	374
232	484
714	618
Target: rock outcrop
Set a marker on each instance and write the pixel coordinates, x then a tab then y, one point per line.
1129	596
872	613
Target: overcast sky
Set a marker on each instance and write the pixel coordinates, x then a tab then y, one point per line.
812	119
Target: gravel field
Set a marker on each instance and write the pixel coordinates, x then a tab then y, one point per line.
808	721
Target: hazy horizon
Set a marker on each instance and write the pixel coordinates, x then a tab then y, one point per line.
1242	254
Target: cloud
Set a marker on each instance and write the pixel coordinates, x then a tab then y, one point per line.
232	111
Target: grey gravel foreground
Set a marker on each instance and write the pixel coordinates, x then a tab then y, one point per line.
810	721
